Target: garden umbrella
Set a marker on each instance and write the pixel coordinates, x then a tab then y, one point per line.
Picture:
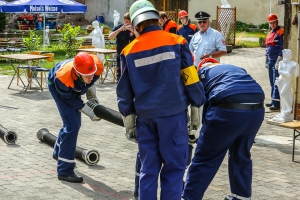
2	3
48	6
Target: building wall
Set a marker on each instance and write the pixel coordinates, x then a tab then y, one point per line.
254	11
106	8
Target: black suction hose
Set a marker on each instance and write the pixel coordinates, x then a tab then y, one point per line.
107	114
9	137
89	156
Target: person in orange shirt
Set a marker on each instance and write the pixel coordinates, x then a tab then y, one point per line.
167	24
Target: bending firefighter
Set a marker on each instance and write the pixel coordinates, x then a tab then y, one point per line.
67	81
232	115
155	101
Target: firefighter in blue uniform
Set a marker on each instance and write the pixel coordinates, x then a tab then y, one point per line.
232	115
67	81
158	83
274	44
186	29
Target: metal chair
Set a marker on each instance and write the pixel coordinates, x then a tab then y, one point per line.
111	65
26	67
43	70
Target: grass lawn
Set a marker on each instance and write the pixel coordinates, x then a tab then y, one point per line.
250	34
6	68
248	39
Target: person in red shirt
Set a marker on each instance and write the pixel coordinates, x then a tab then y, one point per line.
274	44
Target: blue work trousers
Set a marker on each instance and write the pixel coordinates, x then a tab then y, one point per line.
163	148
222	130
273	73
138	166
65	145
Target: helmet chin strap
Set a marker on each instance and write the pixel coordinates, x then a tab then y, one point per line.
79	76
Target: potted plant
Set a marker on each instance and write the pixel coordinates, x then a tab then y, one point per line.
262	41
106	29
89	28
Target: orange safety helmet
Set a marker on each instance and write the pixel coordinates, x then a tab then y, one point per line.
84	64
182	13
272	17
206	60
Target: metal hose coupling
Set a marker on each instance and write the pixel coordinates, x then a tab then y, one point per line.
9	137
91	156
41	133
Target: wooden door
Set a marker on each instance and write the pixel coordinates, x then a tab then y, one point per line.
170	5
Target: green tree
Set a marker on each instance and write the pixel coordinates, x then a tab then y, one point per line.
33	42
69	34
3	21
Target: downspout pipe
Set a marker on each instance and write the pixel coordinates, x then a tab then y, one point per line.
297	78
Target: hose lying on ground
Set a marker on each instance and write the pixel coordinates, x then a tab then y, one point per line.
89	156
9	137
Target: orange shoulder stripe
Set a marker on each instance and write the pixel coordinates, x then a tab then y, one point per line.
66	74
153	39
193	26
179	27
280	31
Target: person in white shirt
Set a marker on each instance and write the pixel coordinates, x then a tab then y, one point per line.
208	42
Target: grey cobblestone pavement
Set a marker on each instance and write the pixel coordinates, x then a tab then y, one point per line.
27	170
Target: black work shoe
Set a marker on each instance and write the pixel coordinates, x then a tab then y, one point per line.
71	178
136	195
57	158
273	108
228	197
268	104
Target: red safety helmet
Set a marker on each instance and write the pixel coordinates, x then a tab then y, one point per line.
206	60
84	64
182	13
272	18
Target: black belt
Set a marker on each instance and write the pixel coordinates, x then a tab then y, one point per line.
241	106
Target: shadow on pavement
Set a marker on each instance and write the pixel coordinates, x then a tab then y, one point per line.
34	95
98	190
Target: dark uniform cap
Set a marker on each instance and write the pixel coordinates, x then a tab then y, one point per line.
202	15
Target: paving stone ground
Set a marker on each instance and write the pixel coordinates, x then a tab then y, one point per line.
27	170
